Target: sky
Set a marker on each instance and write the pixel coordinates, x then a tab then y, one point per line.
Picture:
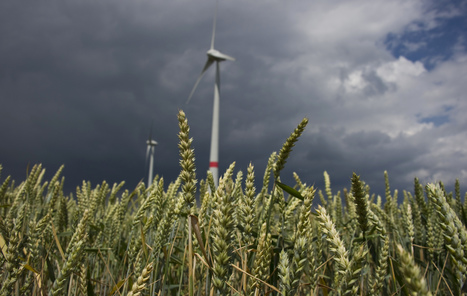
383	84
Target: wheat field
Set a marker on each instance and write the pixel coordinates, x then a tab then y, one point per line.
237	240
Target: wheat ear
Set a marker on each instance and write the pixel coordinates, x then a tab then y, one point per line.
412	275
222	231
455	233
341	256
187	161
262	260
361	203
141	282
287	147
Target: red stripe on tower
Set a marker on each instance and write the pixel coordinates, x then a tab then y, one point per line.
213	164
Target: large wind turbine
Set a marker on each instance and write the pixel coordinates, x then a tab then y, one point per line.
151	144
217	57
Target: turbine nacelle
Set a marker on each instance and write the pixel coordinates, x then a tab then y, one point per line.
151	143
213	56
218	56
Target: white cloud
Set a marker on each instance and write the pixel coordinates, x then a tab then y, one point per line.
356	20
355	82
399	70
360	86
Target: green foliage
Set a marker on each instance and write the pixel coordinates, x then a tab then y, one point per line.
237	240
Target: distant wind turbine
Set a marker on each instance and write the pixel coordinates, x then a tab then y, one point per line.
217	57
151	144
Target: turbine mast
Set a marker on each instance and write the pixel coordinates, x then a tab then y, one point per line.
151	167
151	144
214	154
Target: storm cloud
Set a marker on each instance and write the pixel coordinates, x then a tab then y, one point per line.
382	83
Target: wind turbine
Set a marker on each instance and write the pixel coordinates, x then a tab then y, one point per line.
151	144
214	56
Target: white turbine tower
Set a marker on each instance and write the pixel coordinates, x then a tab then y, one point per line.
217	57
151	144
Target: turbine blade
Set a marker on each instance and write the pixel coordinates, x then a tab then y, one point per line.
214	27
209	62
225	57
150	131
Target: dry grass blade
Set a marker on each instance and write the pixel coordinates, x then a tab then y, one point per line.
58	242
258	279
195	225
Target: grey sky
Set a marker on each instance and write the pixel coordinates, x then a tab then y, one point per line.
382	83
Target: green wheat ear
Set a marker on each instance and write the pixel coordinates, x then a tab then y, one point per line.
336	245
381	269
222	234
141	282
262	260
412	275
187	161
455	233
287	147
361	202
327	185
247	208
284	273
